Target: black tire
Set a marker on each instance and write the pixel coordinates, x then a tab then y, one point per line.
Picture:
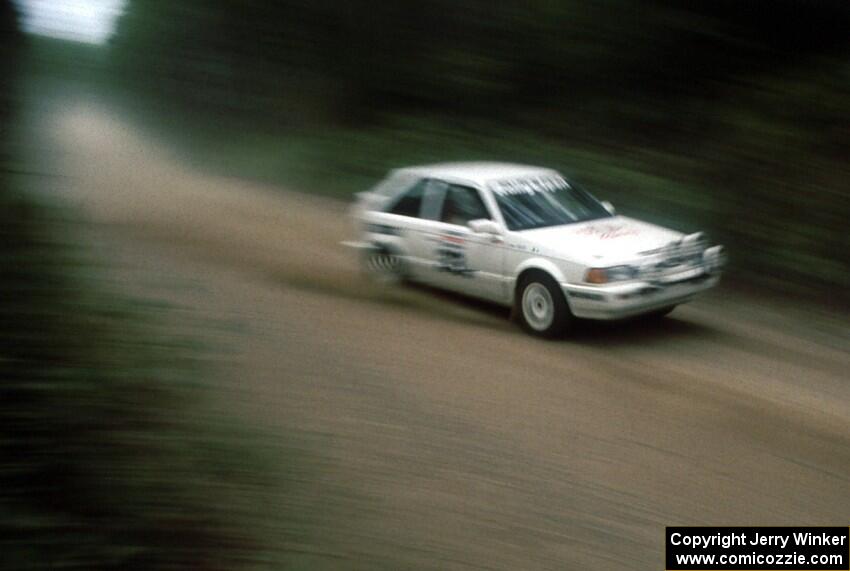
383	266
540	306
659	313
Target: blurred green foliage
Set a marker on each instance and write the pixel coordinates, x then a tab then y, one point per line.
10	40
722	115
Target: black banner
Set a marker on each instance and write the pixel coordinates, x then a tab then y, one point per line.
758	548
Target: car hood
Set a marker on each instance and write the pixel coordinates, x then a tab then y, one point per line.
610	239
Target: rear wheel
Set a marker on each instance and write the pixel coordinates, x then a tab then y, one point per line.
383	266
541	306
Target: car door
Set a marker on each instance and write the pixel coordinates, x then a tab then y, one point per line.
463	260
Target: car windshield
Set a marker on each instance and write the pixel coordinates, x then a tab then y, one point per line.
541	202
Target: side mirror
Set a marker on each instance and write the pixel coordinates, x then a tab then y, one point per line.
609	207
484	226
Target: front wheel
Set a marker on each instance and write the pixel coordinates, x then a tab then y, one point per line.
541	306
659	313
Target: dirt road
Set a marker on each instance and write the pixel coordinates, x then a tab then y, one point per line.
440	436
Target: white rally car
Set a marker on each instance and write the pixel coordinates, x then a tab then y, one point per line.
526	237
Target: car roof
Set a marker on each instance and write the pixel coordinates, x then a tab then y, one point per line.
476	172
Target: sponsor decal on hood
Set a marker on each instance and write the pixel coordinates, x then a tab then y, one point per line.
609	231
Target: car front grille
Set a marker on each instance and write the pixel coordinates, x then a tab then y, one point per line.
674	256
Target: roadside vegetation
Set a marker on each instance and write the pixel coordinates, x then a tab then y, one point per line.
110	455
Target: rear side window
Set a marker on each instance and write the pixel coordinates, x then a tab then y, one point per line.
410	202
463	204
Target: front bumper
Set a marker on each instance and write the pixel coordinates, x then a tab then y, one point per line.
619	301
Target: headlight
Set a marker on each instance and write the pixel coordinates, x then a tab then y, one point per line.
714	258
612	274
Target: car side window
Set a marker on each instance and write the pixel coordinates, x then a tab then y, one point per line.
463	204
432	205
410	202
